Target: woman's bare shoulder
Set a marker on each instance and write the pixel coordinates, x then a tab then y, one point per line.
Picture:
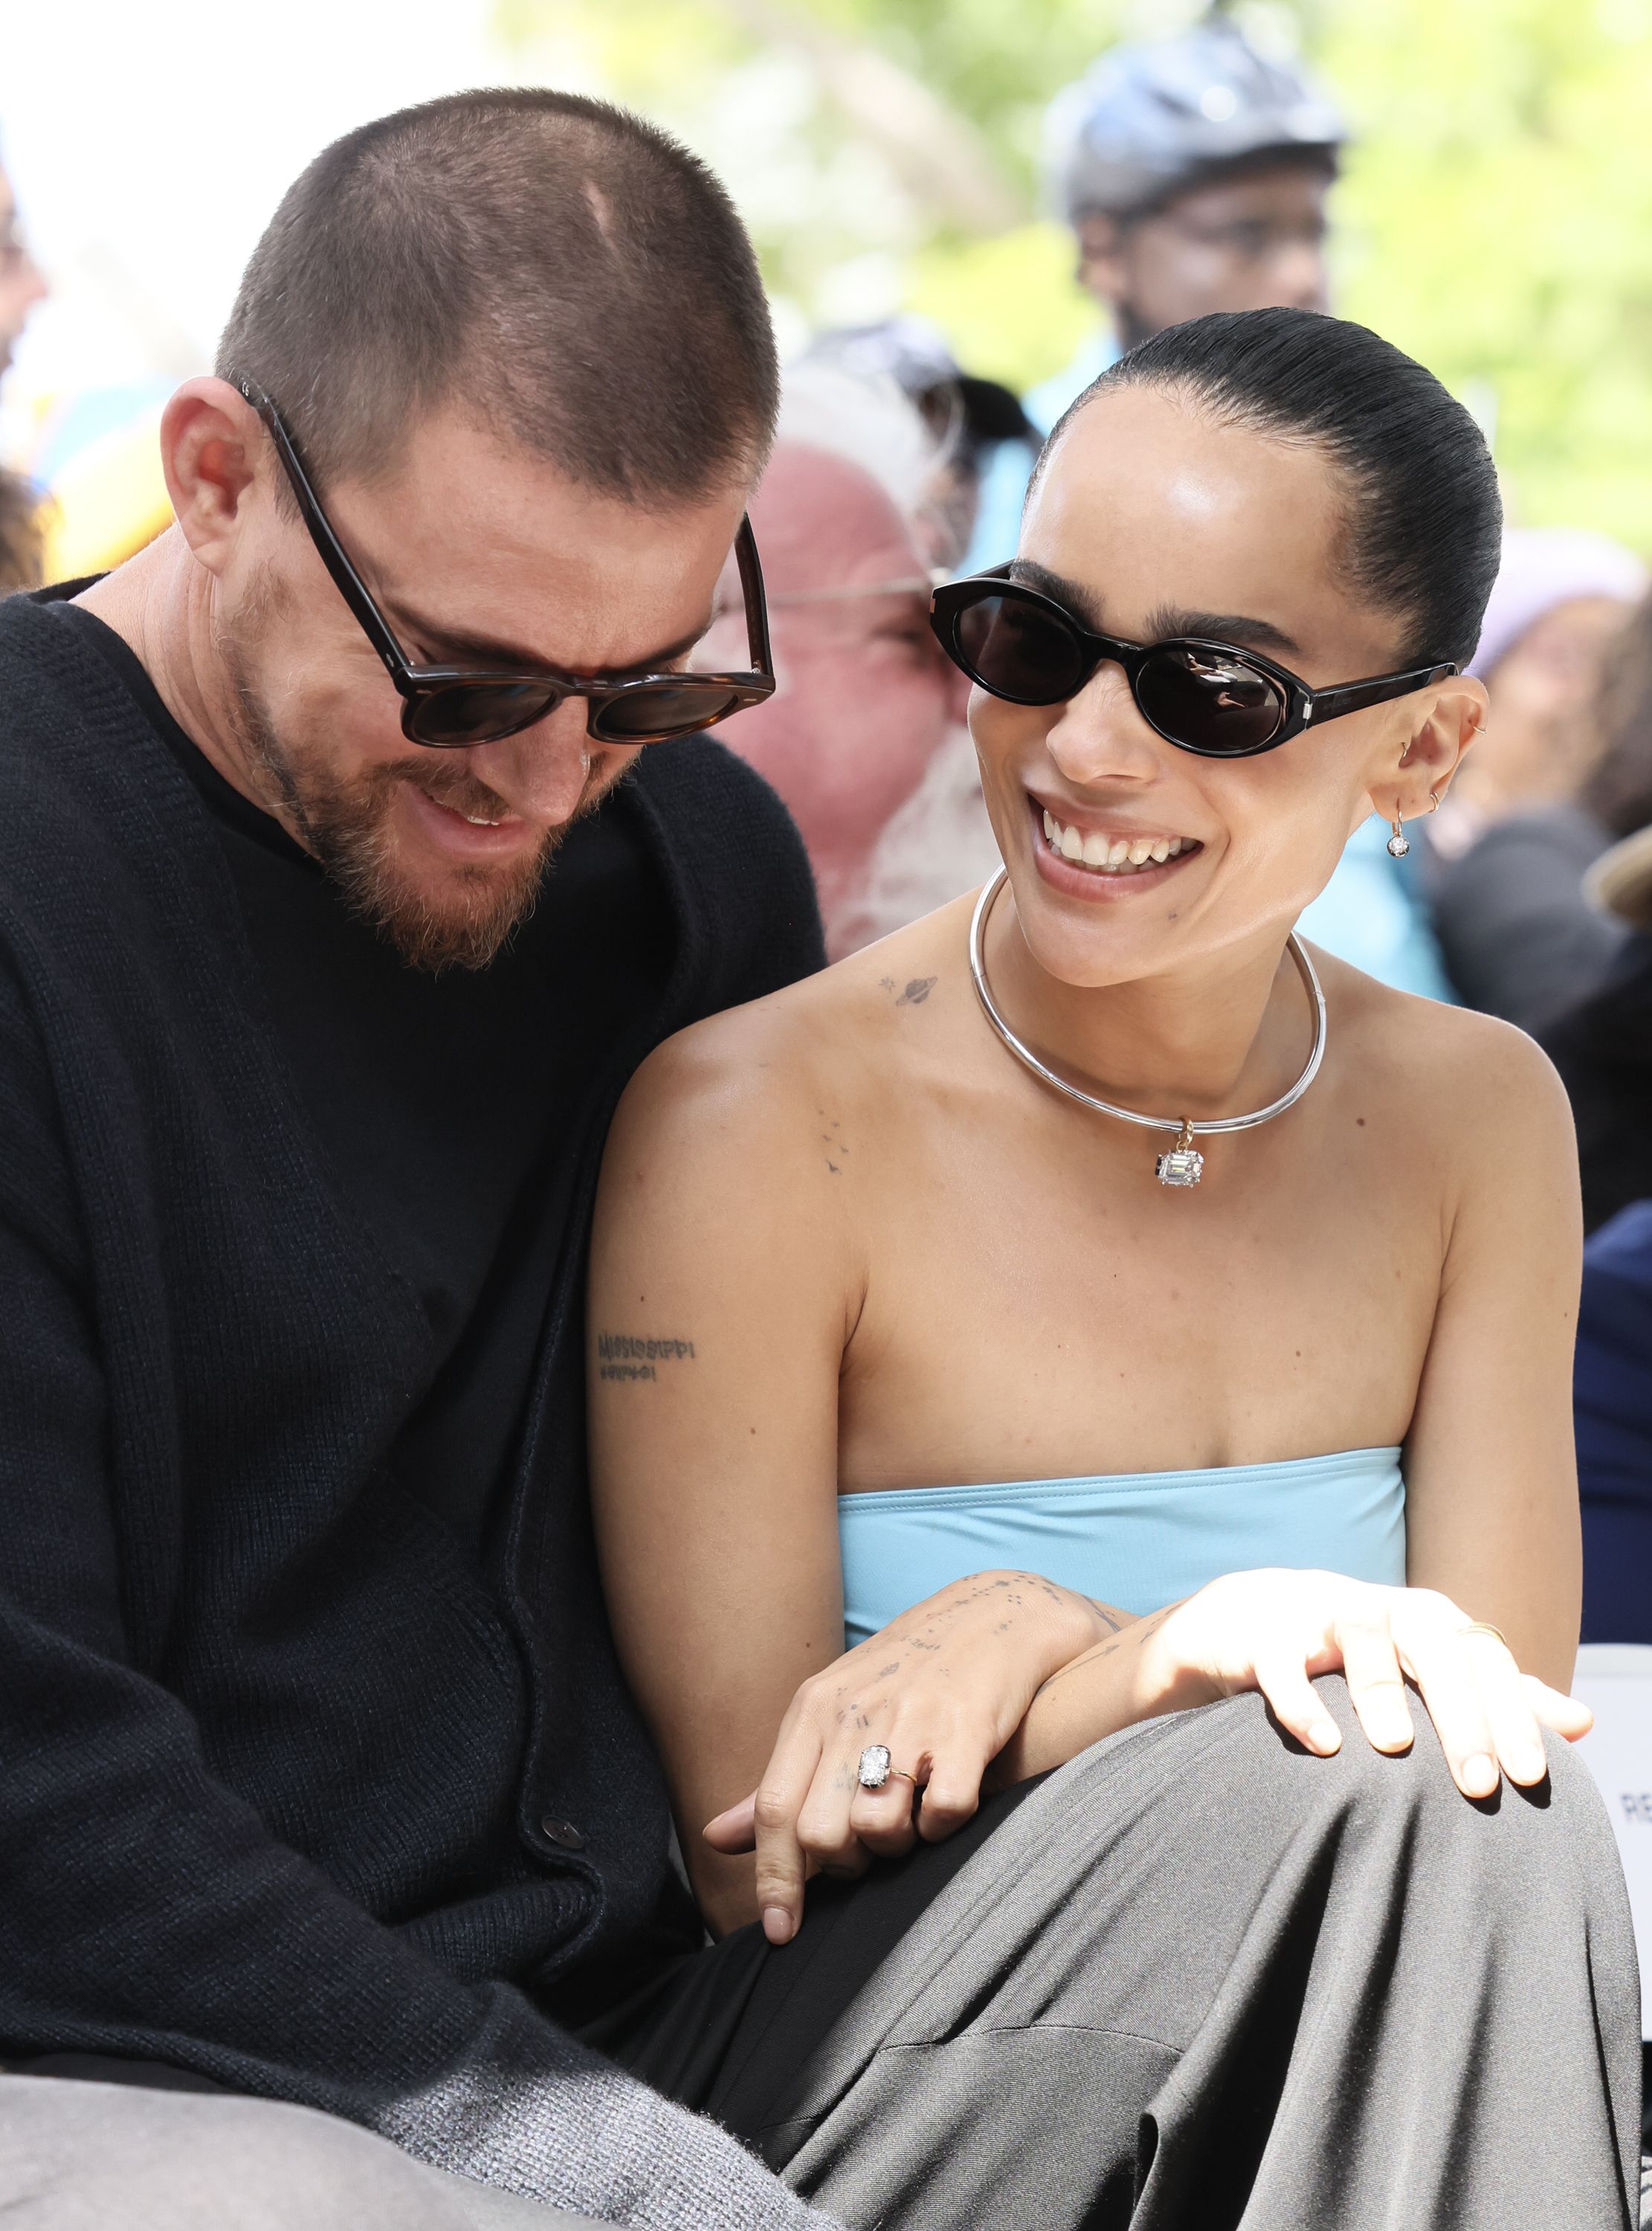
1439	1064
818	1047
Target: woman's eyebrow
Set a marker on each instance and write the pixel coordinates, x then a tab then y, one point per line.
1240	628
448	648
1077	601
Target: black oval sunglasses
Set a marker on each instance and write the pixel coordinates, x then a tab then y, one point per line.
1211	698
450	707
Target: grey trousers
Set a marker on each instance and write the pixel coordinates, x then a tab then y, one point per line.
88	2156
1201	1980
1197	1981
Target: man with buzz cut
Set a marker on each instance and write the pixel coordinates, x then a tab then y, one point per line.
338	903
357	842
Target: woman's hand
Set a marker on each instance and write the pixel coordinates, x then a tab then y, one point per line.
951	1687
944	1687
1274	1631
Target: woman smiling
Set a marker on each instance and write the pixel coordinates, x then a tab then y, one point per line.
1099	1302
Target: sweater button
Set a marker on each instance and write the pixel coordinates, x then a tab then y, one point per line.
563	1833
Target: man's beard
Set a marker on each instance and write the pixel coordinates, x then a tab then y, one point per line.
345	825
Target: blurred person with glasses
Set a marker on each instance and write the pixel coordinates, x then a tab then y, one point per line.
879	775
1194	173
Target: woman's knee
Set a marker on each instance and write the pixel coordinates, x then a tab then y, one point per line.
1547	1845
1269	1770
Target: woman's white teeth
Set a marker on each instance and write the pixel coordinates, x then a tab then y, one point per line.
1093	850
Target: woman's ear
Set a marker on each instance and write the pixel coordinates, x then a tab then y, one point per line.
1447	718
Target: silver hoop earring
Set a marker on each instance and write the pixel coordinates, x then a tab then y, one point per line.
1399	844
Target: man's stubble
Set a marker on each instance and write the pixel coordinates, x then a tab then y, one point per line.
345	824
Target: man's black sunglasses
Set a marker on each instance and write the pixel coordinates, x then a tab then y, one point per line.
451	706
1211	698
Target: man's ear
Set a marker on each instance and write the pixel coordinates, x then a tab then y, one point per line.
1443	726
214	452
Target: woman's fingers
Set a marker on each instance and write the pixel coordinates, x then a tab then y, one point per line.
1455	1687
883	1819
951	1794
1376	1686
1517	1739
1568	1715
824	1829
781	1867
734	1831
1296	1702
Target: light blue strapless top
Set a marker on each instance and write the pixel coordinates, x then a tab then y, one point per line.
1136	1540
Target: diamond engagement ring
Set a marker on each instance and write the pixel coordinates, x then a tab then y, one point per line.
874	1770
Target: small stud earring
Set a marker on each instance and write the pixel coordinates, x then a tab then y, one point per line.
1399	844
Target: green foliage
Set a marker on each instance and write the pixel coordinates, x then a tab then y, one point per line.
1495	221
996	61
1008	304
1496	218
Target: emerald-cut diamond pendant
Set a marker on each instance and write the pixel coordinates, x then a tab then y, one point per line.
1183	1165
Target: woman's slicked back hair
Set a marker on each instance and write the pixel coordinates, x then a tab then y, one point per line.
1424	521
554	266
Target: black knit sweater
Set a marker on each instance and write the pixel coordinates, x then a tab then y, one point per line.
285	1777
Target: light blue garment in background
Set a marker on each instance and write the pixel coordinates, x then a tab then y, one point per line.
1371	913
1136	1540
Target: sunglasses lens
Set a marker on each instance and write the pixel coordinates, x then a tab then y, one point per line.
1211	702
479	712
659	710
1018	651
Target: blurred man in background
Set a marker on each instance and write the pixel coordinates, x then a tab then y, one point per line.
21	287
880	779
1194	174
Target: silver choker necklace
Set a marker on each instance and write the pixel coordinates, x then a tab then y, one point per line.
1183	1165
